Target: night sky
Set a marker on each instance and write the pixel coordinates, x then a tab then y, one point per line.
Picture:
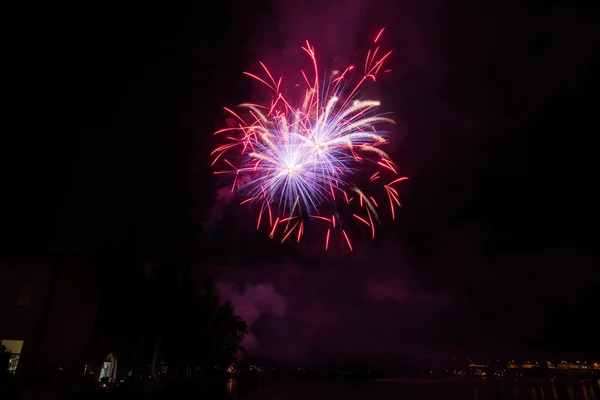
108	122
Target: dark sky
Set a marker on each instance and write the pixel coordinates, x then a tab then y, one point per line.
108	123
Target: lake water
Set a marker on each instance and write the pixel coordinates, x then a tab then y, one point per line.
412	390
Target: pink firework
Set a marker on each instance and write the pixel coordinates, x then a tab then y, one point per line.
319	159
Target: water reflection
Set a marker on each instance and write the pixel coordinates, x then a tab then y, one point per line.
407	390
554	392
585	393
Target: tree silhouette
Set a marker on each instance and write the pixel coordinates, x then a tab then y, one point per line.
206	336
153	318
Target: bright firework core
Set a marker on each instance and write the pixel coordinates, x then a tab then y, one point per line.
300	161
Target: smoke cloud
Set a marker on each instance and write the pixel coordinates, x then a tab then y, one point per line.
252	302
314	312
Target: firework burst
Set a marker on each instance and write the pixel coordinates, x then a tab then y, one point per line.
303	160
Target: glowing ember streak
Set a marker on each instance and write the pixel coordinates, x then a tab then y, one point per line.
299	159
347	240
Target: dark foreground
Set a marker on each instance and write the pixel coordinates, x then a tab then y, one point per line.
404	389
413	390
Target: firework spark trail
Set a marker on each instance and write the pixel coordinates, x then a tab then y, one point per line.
299	160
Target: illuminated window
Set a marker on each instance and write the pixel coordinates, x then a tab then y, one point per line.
14	348
25	295
109	368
